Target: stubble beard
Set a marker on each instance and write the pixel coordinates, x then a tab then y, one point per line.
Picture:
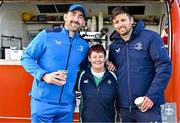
126	33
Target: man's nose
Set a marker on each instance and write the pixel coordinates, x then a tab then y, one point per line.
76	17
120	23
98	59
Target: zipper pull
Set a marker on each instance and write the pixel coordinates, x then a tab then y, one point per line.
127	44
130	109
98	89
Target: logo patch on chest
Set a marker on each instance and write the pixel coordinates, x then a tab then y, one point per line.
86	81
58	42
109	82
138	46
118	50
80	48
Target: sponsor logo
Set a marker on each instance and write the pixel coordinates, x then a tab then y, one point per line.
58	42
86	81
118	50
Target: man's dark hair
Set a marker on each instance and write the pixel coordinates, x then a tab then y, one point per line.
120	10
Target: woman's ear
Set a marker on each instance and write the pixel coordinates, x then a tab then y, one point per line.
89	59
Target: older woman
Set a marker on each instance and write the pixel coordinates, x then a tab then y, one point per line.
98	87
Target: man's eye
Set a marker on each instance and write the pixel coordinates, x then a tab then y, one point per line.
81	17
116	22
123	20
73	13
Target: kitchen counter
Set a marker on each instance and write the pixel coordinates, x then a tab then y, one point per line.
9	62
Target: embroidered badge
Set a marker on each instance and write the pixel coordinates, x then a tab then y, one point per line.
118	50
138	46
80	48
86	81
109	81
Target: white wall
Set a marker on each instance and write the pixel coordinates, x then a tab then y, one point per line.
11	23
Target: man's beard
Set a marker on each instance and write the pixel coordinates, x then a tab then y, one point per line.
127	32
75	22
77	29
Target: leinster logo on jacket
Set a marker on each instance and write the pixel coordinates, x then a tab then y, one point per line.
80	48
138	46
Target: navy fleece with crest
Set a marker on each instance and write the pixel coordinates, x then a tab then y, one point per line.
143	66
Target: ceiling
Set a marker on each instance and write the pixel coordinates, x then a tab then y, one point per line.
72	1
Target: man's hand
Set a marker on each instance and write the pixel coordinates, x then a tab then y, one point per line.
58	78
110	66
147	104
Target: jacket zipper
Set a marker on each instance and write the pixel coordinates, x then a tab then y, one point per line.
69	54
67	63
97	87
129	90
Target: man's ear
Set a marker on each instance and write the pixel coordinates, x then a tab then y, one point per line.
132	20
65	17
84	23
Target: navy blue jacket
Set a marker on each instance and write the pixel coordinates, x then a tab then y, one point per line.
143	66
98	101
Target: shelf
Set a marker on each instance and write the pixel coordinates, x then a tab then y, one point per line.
44	22
62	22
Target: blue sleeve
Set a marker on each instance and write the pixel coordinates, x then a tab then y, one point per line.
32	53
163	68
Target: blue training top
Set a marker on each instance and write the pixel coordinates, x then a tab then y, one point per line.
50	51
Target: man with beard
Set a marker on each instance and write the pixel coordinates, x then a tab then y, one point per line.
53	58
143	68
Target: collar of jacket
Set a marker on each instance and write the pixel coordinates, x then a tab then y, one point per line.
138	28
88	73
66	32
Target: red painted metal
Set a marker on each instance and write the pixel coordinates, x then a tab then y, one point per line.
172	92
15	85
